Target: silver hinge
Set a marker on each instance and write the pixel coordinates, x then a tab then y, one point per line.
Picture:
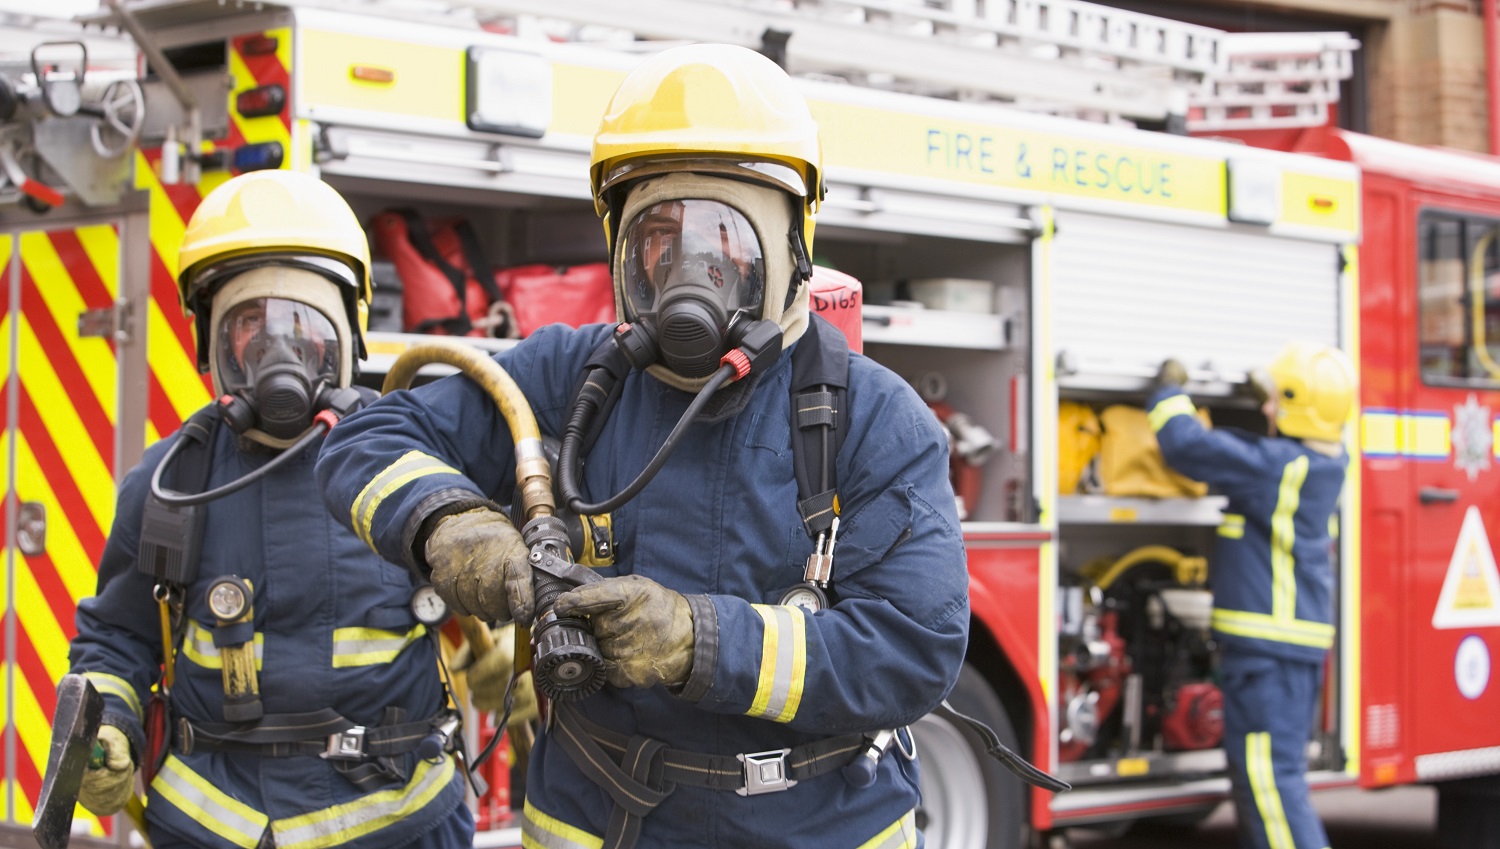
112	322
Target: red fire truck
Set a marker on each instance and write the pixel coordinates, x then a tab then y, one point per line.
1026	272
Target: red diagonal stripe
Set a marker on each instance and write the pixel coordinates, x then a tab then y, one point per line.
64	486
164	293
267	69
69	373
163	415
81	266
183	197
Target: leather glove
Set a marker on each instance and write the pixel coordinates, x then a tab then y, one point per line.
479	566
1171	373
489	675
107	787
644	630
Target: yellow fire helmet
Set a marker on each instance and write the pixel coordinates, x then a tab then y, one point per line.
1314	391
281	217
708	108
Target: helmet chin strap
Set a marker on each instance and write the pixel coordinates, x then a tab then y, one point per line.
785	300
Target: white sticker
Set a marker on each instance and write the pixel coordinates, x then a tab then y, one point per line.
1471	667
1471	589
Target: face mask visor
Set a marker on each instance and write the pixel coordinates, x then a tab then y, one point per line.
699	251
279	353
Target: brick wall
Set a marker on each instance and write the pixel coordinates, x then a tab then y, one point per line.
1427	76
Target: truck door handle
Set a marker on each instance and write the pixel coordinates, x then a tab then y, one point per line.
1437	495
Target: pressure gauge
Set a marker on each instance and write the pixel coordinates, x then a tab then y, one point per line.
228	598
428	606
805	595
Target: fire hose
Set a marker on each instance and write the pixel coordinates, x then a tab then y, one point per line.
565	659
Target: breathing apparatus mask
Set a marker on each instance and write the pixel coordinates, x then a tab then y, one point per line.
277	356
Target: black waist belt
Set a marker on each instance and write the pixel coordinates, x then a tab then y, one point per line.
639	773
323	732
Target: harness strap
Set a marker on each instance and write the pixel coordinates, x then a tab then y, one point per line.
281	735
639	773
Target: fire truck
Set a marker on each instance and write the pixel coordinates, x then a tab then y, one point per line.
1028	196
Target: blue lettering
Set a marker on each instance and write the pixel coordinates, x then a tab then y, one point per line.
986	154
1166	179
934	143
1023	168
1101	166
1120	174
1080	167
1059	165
961	147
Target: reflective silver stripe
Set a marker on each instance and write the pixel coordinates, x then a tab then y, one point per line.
410	466
192	794
371	646
198	646
114	685
539	831
342	823
1262	774
783	662
901	834
1262	626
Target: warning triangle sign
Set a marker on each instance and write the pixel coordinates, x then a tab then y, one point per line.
1471	589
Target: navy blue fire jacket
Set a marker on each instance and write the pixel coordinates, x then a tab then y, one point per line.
1271	573
333	628
720	525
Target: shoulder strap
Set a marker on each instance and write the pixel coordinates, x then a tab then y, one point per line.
172	536
820	387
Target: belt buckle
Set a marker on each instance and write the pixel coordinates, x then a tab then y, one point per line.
346	745
765	772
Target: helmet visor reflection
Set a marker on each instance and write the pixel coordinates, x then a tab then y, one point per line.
703	244
262	332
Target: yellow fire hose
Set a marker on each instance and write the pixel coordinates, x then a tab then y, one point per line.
532	471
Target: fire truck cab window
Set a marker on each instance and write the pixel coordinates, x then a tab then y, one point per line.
1459	300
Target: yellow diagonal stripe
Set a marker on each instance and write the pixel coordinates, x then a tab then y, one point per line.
176	368
102	244
60	294
73	440
66	551
33	725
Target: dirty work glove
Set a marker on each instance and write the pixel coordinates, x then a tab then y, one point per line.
1171	373
479	566
644	629
489	675
107	787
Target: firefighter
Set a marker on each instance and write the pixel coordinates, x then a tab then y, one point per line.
1272	574
304	678
718	686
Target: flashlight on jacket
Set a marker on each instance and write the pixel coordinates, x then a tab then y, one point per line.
230	601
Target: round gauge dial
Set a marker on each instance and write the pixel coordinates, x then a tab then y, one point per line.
428	606
806	596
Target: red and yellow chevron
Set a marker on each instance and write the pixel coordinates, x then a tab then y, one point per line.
65	427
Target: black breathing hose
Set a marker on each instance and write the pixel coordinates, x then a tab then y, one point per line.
321	425
589	402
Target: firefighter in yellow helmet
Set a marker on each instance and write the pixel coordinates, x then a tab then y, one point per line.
710	684
306	704
1271	572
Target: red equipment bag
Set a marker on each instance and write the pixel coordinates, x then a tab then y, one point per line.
839	298
549	294
440	291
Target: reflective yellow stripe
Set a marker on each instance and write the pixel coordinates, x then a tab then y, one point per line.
783	663
412	465
1233	526
198	646
1283	535
370	646
114	685
539	831
1177	405
340	824
191	793
1262	775
1261	626
901	834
